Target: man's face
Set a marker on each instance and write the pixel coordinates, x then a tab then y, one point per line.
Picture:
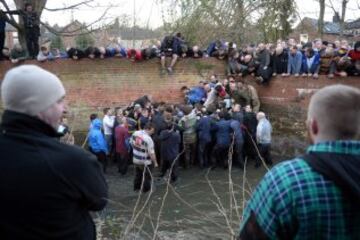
54	113
110	112
29	8
232	86
247	108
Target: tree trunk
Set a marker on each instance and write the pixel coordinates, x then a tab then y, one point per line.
38	7
342	20
321	18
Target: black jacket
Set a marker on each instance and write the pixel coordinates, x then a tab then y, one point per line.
170	145
47	188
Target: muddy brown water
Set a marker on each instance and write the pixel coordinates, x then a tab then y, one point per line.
194	208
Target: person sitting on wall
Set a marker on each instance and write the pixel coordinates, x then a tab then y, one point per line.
18	54
310	63
280	61
134	55
327	63
116	51
294	61
75	53
194	52
45	55
248	66
263	60
169	48
92	52
216	49
354	55
150	52
342	62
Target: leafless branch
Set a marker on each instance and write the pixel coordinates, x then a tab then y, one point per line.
74	6
10	19
78	31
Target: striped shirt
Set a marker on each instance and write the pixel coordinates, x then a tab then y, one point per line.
143	147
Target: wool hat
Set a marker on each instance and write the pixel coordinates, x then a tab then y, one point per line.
30	89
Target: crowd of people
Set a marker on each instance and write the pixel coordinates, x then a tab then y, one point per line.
264	61
338	58
219	120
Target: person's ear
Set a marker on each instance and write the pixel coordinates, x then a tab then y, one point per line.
314	127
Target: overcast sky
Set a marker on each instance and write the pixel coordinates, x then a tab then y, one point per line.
149	11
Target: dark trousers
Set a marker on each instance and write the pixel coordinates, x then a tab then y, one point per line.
203	154
32	42
2	42
101	157
238	158
122	162
167	163
249	146
139	180
190	154
220	155
264	150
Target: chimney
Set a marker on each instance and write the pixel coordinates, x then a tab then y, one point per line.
336	18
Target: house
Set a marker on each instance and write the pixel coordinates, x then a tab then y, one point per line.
331	30
71	31
353	28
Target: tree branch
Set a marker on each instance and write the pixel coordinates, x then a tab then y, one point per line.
10	19
74	6
76	31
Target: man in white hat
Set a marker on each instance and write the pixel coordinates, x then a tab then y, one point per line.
47	188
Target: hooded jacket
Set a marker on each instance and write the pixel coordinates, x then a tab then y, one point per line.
48	188
96	138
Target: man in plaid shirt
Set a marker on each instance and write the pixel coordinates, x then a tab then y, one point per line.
316	195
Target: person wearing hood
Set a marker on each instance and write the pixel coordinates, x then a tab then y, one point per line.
97	142
48	187
316	195
170	148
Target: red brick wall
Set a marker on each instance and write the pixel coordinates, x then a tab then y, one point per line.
94	84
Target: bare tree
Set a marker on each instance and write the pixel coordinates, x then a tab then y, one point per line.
342	16
321	18
39	6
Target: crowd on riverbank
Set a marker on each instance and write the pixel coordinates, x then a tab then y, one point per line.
218	123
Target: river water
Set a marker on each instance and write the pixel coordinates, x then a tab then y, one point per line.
198	206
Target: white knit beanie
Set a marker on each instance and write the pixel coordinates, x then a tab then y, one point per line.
30	89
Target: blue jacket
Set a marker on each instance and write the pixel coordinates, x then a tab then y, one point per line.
212	47
222	133
170	144
294	63
203	128
96	139
315	63
196	94
238	134
112	52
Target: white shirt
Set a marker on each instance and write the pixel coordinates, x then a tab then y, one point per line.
108	124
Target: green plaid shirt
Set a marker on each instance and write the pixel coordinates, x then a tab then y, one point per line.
292	197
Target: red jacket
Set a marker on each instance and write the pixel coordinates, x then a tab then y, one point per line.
121	133
354	55
138	55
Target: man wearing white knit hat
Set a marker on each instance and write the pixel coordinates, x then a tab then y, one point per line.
47	188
